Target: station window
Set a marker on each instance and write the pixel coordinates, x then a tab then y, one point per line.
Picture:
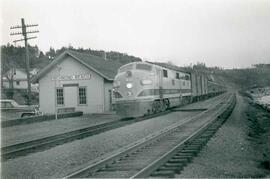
82	95
165	73
17	82
60	96
187	77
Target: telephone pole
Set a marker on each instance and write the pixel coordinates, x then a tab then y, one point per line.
24	32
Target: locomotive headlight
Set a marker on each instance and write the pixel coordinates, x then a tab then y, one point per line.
146	82
129	85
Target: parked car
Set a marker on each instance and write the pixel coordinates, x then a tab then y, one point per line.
10	105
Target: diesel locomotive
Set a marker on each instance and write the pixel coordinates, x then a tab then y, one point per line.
143	88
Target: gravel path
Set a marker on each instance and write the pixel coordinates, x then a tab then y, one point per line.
230	153
61	160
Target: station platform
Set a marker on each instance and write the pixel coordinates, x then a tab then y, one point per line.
22	133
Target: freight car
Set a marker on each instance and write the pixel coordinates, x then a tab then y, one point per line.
143	88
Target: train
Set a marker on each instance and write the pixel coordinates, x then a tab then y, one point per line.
144	88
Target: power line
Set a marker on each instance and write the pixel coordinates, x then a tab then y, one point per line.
24	33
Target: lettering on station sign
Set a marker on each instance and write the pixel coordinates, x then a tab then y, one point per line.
72	77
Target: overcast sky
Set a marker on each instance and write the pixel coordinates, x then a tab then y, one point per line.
225	33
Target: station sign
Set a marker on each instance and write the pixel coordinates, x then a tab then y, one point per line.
72	77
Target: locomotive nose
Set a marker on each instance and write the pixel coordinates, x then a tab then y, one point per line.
128	74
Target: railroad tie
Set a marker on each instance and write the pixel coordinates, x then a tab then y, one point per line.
186	155
177	160
194	146
173	164
175	169
189	152
164	173
187	159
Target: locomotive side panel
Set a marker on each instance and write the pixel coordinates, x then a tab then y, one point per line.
176	85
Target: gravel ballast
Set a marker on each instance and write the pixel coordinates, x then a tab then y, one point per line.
64	159
61	160
232	152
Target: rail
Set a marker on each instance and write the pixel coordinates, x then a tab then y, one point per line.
109	164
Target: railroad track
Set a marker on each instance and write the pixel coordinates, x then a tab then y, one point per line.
164	153
25	148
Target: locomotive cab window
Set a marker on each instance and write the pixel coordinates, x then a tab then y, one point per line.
141	66
165	73
126	68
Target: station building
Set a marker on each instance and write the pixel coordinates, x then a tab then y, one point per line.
77	81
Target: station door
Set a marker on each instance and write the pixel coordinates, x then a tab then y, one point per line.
71	96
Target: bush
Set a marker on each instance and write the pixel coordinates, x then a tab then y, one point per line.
10	93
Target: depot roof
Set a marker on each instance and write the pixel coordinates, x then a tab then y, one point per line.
105	68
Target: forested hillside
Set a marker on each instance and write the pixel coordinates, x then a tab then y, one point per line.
258	75
12	56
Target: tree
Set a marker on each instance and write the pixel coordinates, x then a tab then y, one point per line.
7	71
41	55
199	66
51	53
